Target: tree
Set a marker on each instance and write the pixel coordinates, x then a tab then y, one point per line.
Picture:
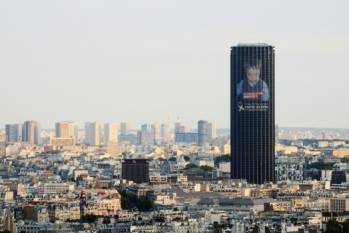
144	204
206	168
130	201
190	165
89	218
255	229
222	158
346	226
321	166
333	226
216	227
106	220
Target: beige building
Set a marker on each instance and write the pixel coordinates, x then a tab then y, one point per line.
286	150
105	203
341	152
110	133
64	211
338	205
198	187
7	222
113	148
281	206
226	149
66	129
93	133
52	188
62	142
104	207
143	229
35	213
166	199
191	226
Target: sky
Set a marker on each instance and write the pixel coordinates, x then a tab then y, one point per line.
162	60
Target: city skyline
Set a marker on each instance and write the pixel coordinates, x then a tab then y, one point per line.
91	55
174	116
130	126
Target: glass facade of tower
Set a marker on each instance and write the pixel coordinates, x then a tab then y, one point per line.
252	113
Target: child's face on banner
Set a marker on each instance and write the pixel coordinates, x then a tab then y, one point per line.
253	74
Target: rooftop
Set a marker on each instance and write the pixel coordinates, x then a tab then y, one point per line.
252	45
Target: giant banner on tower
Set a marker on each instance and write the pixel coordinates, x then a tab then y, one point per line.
252	89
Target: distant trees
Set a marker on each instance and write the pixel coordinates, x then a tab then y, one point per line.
190	166
255	229
106	220
131	201
194	166
321	166
89	218
346	226
222	158
206	168
333	226
218	228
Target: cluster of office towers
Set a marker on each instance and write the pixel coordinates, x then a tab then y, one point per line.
29	132
149	134
96	134
203	136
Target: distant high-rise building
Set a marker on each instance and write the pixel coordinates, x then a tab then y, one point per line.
66	129
92	133
124	128
179	128
8	221
186	138
154	133
252	113
31	132
13	133
146	135
212	131
2	144
204	129
165	133
110	133
136	170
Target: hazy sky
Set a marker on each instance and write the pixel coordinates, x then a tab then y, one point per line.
156	60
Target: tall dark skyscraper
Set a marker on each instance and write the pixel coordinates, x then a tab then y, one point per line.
252	113
136	170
